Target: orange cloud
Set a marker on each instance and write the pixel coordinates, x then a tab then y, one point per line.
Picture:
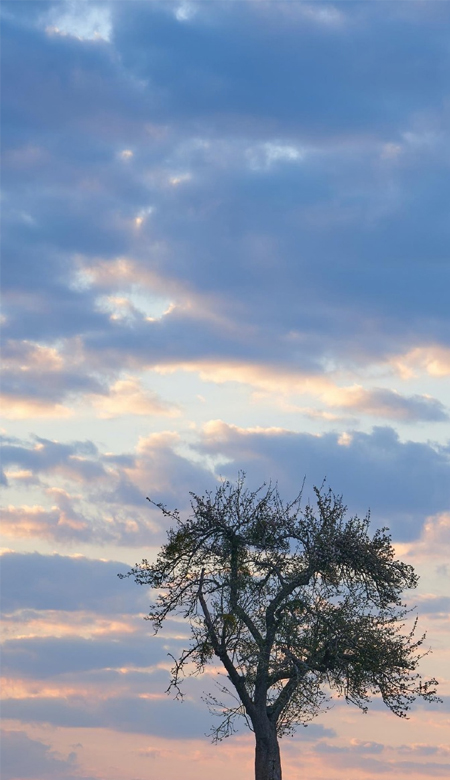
31	689
61	623
156	440
383	402
219	430
264	377
26	408
121	274
435	536
433	360
24	476
29	355
126	396
279	386
30	521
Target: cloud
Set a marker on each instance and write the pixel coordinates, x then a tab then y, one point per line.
84	496
434	360
57	582
24	409
126	396
23	757
90	24
47	657
169	476
38	374
71	520
178	201
159	716
189	75
435	605
168	719
402	482
78	460
376	766
37	522
435	536
422	749
37	378
399	481
246	245
380	402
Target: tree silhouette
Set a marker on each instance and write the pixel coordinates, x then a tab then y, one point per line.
295	603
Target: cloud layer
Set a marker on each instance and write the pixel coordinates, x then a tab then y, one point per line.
225	238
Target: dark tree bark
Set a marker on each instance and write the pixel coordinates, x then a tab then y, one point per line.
267	752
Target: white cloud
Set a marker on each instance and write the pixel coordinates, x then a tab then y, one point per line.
185	12
263	156
80	20
126	154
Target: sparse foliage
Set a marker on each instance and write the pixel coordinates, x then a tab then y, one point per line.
295	603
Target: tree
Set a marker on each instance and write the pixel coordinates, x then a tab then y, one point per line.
295	603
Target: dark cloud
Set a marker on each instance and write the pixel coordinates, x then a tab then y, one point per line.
279	173
423	750
437	605
292	222
385	403
389	768
57	582
44	384
100	514
23	757
214	66
164	717
42	658
51	386
111	506
72	522
401	482
78	458
361	747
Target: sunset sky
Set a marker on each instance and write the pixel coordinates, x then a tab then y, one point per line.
225	248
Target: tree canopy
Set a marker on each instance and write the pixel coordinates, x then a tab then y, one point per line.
296	603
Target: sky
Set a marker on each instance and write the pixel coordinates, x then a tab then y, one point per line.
225	249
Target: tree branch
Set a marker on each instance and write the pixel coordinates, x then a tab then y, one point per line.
297	582
298	671
240	612
275	710
221	652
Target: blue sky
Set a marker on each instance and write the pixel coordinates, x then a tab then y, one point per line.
225	247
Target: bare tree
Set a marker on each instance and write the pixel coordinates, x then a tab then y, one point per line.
295	603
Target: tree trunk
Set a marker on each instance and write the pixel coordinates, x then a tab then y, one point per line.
267	753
